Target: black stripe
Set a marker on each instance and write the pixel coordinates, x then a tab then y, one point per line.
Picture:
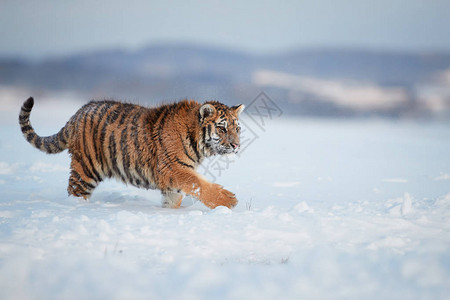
125	154
113	153
80	160
48	142
193	144
186	151
135	137
81	181
76	118
99	145
204	134
161	125
94	129
103	116
66	132
156	136
160	131
127	109
30	136
111	117
183	163
85	170
26	128
86	152
168	158
160	140
150	144
93	114
23	118
38	142
26	110
29	103
158	112
60	136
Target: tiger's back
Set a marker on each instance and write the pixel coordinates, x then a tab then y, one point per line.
147	147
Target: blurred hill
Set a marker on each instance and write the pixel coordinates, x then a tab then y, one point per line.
312	82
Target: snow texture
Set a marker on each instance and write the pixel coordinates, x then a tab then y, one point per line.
328	210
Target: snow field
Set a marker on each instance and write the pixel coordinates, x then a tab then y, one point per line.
328	210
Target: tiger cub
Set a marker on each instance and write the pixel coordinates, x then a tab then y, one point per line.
153	148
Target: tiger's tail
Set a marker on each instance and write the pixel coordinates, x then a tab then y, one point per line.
51	144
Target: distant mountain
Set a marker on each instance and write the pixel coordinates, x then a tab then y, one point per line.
171	72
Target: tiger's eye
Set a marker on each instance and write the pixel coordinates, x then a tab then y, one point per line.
221	129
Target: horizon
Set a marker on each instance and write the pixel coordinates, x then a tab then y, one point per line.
222	48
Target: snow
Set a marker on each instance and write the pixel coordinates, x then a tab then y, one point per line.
353	94
328	210
443	176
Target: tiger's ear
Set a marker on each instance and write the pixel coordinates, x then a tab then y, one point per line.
238	109
206	110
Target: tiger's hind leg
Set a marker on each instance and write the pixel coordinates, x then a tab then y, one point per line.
80	184
171	199
79	187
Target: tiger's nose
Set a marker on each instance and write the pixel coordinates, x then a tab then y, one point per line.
234	145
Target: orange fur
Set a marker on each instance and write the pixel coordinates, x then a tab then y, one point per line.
147	147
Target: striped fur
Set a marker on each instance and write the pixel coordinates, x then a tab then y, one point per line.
152	148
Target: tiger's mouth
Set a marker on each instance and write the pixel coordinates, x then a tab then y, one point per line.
231	149
217	147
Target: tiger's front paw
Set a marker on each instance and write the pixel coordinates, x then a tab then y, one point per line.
224	198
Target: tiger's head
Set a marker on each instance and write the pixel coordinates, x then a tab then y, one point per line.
220	128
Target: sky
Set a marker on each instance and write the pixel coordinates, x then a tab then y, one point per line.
36	29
